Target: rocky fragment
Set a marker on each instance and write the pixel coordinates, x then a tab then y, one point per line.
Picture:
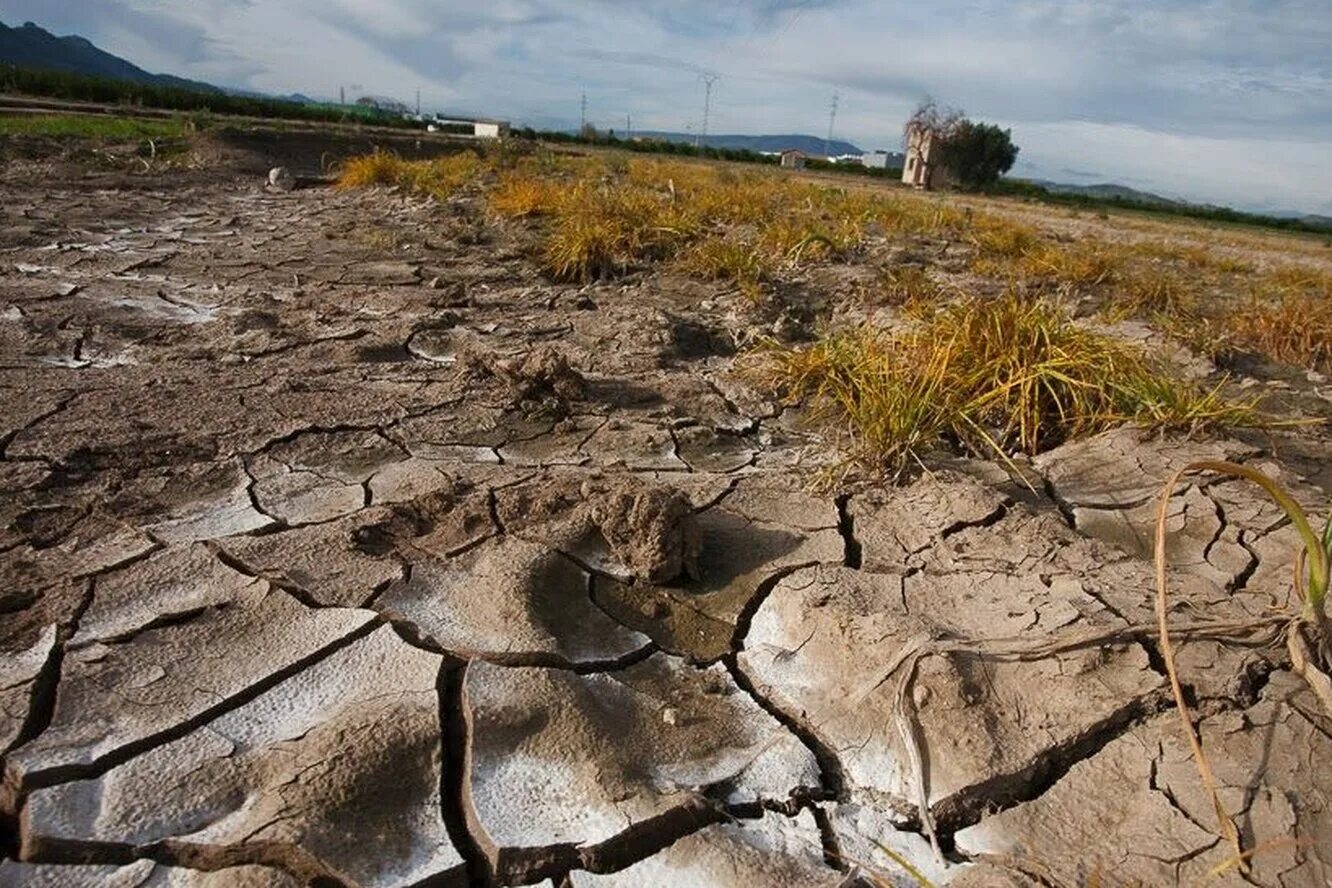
864	838
624	525
894	523
168	584
739	555
19	671
281	179
561	765
651	529
141	874
772	850
508	601
829	645
225	514
113	699
333	772
537	374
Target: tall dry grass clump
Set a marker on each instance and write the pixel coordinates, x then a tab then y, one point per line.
996	376
438	177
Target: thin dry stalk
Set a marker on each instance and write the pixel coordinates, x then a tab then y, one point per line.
1223	818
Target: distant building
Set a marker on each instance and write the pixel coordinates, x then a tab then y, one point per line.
793	159
478	128
845	159
882	160
922	168
490	129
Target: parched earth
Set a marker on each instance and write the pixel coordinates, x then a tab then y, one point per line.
341	548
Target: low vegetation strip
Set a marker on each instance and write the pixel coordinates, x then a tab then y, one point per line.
89	127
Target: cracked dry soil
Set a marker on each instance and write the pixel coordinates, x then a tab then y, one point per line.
340	548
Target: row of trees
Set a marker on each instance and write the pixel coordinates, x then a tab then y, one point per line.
105	90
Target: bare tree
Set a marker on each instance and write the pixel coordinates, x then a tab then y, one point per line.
930	118
927	129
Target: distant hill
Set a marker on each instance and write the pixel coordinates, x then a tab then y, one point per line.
35	47
1106	191
807	144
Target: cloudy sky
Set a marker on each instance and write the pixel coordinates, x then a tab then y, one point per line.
1228	101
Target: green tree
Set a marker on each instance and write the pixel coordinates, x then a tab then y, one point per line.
977	154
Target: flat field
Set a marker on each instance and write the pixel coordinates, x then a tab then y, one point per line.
504	516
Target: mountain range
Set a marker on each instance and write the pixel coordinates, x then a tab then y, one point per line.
790	141
35	47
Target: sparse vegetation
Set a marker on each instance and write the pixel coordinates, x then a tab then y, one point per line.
994	375
604	216
86	126
1286	318
438	177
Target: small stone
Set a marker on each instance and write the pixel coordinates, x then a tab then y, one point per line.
435	283
670	716
281	179
920	695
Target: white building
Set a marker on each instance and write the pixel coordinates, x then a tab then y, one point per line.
882	160
477	128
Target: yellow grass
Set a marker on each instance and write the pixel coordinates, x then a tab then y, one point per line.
439	177
998	375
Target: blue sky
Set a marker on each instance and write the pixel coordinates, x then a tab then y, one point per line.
1228	101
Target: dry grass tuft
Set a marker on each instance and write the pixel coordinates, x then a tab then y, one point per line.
520	195
439	177
996	375
380	168
1157	292
1287	318
719	258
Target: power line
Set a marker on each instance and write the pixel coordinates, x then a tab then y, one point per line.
832	118
709	78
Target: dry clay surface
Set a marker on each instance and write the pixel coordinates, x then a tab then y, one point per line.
341	548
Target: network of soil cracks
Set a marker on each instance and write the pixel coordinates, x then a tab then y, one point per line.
340	547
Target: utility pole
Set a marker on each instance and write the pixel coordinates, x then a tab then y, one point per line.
342	95
832	117
418	103
582	122
709	79
628	127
